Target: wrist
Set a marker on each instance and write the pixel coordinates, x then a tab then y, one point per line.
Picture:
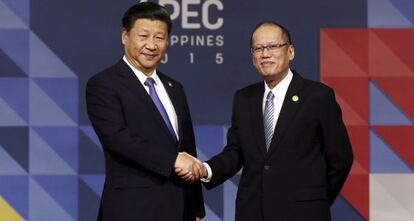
205	172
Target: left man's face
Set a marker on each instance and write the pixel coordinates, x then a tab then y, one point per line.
145	44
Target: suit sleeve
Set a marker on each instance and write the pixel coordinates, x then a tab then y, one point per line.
336	144
227	163
105	112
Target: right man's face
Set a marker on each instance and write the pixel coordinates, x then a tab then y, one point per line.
145	44
271	65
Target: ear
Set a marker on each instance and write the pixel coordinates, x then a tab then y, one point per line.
253	60
124	36
291	52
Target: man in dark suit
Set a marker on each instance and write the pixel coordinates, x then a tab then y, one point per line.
288	135
142	119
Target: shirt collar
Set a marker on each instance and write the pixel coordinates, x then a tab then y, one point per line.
282	86
140	75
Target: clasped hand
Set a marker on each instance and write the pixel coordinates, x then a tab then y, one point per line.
189	168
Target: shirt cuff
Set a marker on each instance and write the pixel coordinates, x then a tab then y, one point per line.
209	173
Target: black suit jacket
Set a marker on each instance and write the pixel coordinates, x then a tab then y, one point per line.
139	151
307	163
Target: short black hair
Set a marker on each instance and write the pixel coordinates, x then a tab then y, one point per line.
146	10
285	31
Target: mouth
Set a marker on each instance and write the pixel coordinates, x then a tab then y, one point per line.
150	56
267	63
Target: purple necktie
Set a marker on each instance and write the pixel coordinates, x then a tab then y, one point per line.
268	119
154	96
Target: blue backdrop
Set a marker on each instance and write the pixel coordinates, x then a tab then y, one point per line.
51	163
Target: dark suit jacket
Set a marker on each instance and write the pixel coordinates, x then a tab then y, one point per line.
307	163
139	151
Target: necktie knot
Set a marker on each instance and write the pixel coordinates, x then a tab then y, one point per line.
149	82
270	96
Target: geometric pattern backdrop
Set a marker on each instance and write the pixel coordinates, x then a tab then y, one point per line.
51	167
391	108
372	73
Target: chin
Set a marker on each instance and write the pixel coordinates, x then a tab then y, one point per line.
150	64
268	75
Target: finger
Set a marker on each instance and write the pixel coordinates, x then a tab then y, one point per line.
189	179
183	173
196	173
194	179
177	170
187	176
198	170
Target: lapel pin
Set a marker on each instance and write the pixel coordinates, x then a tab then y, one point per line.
170	84
295	98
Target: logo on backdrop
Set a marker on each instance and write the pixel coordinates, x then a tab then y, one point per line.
199	21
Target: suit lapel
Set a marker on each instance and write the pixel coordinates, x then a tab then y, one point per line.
256	109
288	111
132	83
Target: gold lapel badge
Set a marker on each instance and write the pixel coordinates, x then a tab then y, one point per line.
295	98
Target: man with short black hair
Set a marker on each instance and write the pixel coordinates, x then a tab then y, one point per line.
143	122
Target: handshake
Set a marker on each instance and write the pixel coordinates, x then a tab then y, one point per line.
189	168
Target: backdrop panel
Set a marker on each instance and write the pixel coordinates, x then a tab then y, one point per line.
51	162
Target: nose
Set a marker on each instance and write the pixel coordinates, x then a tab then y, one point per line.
265	53
151	45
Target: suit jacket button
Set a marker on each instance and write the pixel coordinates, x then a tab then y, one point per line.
266	167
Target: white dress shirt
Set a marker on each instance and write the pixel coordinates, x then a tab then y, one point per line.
162	94
279	91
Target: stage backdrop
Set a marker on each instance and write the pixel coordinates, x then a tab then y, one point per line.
51	163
